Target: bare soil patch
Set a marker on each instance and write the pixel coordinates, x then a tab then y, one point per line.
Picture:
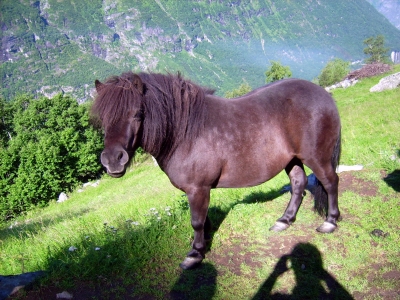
362	187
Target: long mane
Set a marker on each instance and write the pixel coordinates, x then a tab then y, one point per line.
173	108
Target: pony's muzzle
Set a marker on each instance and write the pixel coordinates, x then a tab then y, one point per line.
115	161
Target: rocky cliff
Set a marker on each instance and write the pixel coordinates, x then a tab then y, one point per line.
53	46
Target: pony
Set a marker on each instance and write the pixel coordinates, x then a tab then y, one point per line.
202	141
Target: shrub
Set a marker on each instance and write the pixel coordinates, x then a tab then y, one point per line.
333	72
51	149
277	72
243	89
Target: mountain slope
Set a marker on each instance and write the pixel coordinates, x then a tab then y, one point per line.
390	9
59	45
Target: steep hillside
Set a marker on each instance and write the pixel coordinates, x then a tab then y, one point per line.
58	45
390	9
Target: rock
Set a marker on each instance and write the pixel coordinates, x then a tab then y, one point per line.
343	168
62	197
387	83
87	184
95	184
64	295
343	84
9	285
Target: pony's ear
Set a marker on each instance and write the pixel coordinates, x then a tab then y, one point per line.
138	84
99	86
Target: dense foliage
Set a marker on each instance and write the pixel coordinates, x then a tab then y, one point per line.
334	71
243	89
46	147
277	72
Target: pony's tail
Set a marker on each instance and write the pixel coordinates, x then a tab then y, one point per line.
320	195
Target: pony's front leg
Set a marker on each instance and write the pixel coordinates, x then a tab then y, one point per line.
199	199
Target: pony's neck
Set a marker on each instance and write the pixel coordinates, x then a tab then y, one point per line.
174	112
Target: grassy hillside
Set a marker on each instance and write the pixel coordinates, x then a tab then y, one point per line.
131	233
58	45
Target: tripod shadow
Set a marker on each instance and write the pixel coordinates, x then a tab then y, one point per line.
312	280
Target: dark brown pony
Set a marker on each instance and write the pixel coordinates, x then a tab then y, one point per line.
202	141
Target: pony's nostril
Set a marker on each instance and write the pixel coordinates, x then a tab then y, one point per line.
104	159
120	155
123	157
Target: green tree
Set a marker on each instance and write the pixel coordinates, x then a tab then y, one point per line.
243	89
334	71
52	149
277	72
5	123
376	50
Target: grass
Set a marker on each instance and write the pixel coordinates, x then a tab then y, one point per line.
131	233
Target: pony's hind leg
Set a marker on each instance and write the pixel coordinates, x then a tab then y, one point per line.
298	181
330	181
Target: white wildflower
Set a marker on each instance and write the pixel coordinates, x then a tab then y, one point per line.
72	249
97	248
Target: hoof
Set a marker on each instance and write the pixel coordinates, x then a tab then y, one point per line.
190	262
279	226
326	227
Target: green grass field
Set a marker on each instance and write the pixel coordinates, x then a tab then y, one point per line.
131	233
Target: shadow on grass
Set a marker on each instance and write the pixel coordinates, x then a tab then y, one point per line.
393	180
218	215
135	262
125	261
200	283
312	280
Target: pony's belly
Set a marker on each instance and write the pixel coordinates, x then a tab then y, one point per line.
244	177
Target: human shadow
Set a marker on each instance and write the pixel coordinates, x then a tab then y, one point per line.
200	283
312	280
393	180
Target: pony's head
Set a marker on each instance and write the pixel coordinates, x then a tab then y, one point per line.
118	106
153	111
